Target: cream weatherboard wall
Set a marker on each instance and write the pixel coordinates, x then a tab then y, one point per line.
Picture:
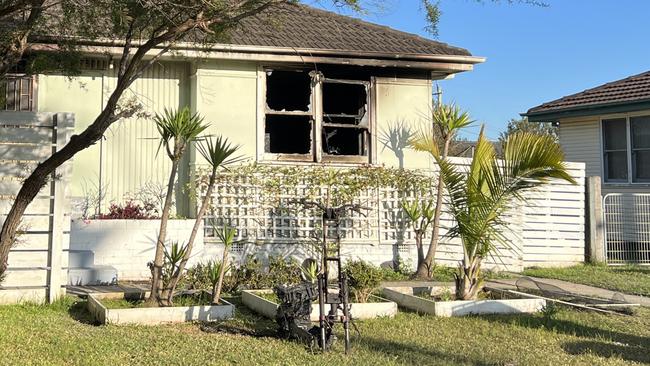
226	93
128	151
581	141
401	102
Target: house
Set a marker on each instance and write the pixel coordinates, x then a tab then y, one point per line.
293	85
607	128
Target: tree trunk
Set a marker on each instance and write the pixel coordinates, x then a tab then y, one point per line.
156	297
425	268
468	280
169	291
419	236
216	295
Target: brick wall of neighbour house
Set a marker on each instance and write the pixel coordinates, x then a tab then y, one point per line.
37	264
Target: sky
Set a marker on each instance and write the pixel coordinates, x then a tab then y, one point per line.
534	54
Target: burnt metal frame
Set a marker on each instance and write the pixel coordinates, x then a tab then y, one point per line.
331	219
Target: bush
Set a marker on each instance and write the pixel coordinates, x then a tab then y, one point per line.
130	211
363	279
283	272
249	275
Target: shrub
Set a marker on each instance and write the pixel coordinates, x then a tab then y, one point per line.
283	272
130	211
363	279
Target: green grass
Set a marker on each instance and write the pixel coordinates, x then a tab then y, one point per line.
62	335
627	279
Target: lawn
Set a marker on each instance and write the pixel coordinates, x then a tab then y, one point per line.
62	335
627	279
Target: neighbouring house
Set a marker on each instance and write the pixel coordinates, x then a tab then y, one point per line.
608	128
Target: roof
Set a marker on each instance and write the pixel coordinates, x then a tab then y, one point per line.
632	90
303	27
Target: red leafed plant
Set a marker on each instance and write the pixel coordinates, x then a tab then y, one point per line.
130	211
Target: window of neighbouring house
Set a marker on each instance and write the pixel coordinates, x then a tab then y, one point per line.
640	128
311	118
626	149
18	92
615	149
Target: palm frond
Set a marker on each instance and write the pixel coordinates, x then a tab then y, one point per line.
218	151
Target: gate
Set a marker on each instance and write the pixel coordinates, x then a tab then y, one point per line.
627	228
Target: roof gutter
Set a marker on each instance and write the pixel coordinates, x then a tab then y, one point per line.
219	47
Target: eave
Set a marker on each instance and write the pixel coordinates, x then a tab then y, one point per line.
584	111
436	64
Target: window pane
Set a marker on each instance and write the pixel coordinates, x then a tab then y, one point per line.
288	90
616	166
640	131
615	134
288	134
641	164
347	99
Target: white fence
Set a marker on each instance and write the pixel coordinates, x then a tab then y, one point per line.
548	231
37	268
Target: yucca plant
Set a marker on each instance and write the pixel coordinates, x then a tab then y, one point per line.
436	139
216	271
227	236
177	129
309	271
173	256
481	196
217	152
419	214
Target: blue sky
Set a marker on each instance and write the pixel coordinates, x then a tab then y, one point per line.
533	54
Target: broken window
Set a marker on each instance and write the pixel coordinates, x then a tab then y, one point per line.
304	110
289	119
345	117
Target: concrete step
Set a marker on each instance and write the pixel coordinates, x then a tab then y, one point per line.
92	276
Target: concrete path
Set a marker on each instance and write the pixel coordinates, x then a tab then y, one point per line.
578	289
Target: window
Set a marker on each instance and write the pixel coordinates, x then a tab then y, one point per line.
19	92
311	118
626	149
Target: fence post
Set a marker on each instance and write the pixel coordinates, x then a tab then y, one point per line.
62	123
595	248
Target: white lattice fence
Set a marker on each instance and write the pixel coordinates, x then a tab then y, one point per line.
548	230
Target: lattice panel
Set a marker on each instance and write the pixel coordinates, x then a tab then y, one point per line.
273	218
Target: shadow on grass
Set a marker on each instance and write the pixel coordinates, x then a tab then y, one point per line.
572	328
608	350
413	354
245	322
79	312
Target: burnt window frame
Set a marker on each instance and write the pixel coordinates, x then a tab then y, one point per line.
316	153
32	95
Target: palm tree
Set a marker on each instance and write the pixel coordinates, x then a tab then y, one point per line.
448	120
217	152
177	129
479	197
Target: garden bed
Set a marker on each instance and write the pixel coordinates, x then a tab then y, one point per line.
423	300
128	309
260	302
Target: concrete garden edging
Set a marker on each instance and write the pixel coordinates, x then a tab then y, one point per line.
359	311
155	316
406	297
